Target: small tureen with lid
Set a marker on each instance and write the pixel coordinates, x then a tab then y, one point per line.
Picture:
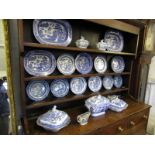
101	45
82	43
53	120
97	105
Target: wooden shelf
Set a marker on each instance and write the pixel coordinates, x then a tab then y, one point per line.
71	76
94	124
72	98
43	46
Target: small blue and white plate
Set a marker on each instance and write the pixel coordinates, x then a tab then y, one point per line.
118	81
100	64
52	31
39	63
60	87
78	85
117	64
83	63
108	82
95	83
114	41
65	64
37	90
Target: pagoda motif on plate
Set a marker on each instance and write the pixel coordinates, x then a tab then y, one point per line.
82	43
102	45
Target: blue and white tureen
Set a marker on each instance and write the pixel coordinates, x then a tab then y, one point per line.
97	105
102	45
54	120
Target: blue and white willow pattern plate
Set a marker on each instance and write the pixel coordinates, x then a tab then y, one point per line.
84	63
37	90
78	85
118	81
114	40
52	31
108	82
100	64
60	87
117	64
95	83
39	62
65	64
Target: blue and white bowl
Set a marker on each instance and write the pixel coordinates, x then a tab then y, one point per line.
60	87
108	82
37	90
118	81
95	83
78	85
83	63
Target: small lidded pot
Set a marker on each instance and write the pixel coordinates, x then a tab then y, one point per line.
83	118
101	45
82	43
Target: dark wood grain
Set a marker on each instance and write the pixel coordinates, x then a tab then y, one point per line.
72	76
61	48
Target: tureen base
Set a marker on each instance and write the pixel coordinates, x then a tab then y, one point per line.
97	114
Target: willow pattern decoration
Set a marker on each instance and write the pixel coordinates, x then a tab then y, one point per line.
9	77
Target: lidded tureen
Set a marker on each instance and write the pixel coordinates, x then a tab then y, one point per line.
117	104
97	105
82	43
53	120
101	45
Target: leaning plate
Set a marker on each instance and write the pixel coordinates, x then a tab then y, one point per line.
78	85
65	64
118	81
51	31
100	64
37	90
118	64
83	63
114	40
95	83
108	82
39	63
60	87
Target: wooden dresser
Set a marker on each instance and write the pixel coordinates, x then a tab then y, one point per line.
133	120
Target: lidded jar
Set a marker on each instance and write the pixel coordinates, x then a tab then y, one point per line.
82	43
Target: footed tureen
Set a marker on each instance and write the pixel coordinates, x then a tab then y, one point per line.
53	120
101	45
97	105
117	104
82	43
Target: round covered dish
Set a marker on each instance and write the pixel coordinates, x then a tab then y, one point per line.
54	120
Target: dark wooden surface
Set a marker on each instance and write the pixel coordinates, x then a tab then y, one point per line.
106	124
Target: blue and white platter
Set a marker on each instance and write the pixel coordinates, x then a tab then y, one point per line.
108	82
60	87
118	81
78	85
65	64
37	90
114	40
117	64
95	83
39	62
83	63
100	64
52	31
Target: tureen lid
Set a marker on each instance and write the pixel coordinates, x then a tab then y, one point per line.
53	118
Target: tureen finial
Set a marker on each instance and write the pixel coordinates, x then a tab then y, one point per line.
54	107
82	37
